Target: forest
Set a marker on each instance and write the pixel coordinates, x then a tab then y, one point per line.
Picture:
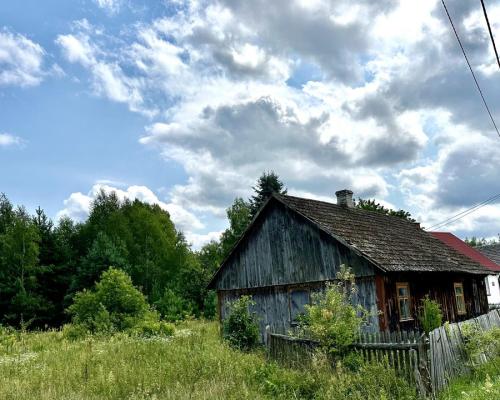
44	264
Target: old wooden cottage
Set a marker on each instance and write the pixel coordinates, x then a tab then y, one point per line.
295	245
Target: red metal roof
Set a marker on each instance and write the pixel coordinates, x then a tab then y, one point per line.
462	247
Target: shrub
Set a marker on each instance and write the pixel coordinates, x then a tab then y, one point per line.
74	332
430	315
332	319
152	326
173	307
114	305
240	327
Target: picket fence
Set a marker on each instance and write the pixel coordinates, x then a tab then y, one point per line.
428	362
447	356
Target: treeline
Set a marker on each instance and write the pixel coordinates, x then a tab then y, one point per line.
43	264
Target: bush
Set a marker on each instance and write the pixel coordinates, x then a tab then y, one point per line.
430	315
173	307
152	326
240	327
74	332
114	305
332	319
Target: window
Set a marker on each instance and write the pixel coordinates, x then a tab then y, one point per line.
459	297
403	294
487	282
298	299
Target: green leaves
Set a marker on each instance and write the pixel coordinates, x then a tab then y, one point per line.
113	305
240	327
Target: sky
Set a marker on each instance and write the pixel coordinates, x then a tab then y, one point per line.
186	103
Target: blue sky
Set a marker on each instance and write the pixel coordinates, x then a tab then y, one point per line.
185	103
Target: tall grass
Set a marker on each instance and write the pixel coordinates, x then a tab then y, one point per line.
482	384
193	364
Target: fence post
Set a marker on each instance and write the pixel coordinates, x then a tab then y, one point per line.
422	366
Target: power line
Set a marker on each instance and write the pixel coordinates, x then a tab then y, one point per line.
491	33
470	67
464	213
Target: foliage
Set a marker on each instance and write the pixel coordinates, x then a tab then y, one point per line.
478	242
482	384
240	327
113	305
267	184
430	316
43	265
372	205
192	364
239	216
332	319
480	342
172	307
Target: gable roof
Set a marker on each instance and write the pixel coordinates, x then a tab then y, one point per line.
491	251
391	243
462	247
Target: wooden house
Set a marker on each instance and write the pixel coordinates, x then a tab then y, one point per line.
294	246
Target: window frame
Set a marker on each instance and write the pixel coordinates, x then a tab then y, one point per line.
405	285
292	289
487	283
462	295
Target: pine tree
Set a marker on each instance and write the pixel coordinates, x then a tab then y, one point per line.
267	184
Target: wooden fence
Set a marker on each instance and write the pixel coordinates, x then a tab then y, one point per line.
447	356
428	362
406	352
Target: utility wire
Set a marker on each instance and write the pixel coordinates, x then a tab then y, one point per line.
463	213
491	33
470	67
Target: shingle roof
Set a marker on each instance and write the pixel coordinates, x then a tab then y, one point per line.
491	251
462	247
391	243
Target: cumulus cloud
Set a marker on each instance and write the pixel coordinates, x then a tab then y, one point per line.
21	60
375	97
77	205
8	140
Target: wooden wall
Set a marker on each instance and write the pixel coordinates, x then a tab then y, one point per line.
439	286
285	248
272	304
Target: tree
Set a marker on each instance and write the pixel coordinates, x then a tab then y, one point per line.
103	253
19	252
267	184
6	213
239	216
478	242
372	205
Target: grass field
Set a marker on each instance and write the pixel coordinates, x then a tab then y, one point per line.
194	364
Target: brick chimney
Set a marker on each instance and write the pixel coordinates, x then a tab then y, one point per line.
344	198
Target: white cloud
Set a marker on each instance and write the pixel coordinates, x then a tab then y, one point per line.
111	6
21	60
374	97
77	206
109	80
8	140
